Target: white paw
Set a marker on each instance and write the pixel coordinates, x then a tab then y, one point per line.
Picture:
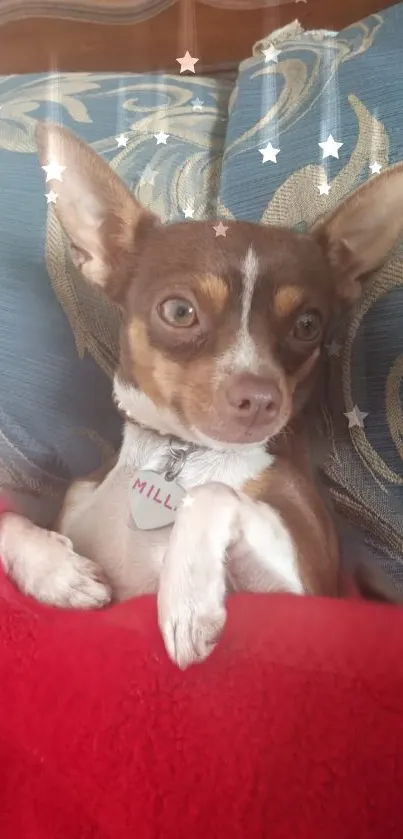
44	565
191	625
190	634
70	580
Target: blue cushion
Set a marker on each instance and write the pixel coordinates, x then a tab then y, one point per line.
350	86
58	338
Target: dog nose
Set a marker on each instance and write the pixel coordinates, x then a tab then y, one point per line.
252	400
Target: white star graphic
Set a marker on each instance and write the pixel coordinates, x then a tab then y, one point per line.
187	63
323	188
375	168
121	141
330	147
220	229
188	211
187	501
197	104
271	54
355	417
333	349
161	137
149	175
269	153
53	171
51	197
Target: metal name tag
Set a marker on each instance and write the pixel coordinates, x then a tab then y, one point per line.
154	500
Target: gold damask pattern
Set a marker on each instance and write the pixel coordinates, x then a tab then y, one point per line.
58	337
346	85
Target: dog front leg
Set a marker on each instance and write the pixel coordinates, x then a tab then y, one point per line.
214	524
44	565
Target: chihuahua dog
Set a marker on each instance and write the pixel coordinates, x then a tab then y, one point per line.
221	345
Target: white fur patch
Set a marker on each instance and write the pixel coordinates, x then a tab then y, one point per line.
243	355
244	539
145	449
140	408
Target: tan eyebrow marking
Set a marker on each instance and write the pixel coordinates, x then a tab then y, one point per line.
215	289
287	299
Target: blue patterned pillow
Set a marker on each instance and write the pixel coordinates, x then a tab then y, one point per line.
58	338
348	86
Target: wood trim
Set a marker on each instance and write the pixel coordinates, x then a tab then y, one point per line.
87	40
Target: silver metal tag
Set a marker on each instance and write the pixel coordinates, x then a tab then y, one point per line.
154	500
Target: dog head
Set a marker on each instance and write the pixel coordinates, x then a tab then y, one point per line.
221	336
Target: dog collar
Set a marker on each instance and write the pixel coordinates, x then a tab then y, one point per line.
178	450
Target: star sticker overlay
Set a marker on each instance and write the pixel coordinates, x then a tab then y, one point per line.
161	137
197	104
330	147
121	141
324	188
51	197
271	54
375	168
53	171
355	417
333	349
269	153
187	501
220	230
149	175
188	211
187	62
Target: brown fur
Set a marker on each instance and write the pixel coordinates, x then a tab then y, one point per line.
287	299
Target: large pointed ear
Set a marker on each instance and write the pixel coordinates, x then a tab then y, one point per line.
360	233
104	223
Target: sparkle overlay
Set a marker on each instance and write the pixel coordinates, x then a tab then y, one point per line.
330	147
187	62
375	168
220	229
53	171
271	54
149	175
269	153
324	188
187	501
121	141
161	137
51	197
355	417
333	349
197	104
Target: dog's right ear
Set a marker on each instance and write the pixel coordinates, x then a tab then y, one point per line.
358	235
104	223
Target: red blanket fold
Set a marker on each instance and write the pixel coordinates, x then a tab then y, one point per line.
293	729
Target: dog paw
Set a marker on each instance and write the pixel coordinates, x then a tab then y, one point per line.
73	581
190	628
68	580
44	565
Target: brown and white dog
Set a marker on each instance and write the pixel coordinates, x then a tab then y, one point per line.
221	346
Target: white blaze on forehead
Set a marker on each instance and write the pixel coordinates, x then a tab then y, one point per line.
243	354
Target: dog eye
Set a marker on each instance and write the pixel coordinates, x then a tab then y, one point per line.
178	312
308	326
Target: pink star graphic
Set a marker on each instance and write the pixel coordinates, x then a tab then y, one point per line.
187	63
220	229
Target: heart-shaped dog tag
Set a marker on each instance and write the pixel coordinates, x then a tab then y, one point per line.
154	500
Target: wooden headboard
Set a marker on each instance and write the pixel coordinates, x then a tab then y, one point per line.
148	35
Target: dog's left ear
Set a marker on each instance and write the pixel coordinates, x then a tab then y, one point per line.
106	226
360	233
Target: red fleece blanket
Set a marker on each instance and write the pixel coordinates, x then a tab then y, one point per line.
293	729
